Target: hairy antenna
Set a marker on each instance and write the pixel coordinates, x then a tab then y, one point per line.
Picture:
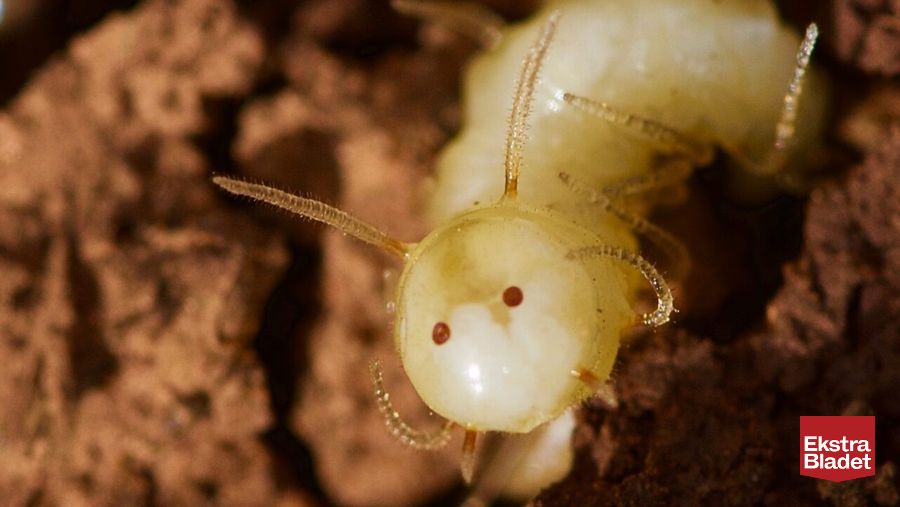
664	304
787	122
516	133
666	137
426	441
784	131
315	210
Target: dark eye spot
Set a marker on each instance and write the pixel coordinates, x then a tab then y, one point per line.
441	333
513	296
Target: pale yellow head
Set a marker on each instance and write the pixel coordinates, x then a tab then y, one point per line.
494	315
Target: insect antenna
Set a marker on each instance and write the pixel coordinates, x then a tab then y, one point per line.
523	100
787	121
784	131
664	301
421	440
315	210
602	390
665	172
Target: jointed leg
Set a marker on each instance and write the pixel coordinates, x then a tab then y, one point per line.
667	138
672	141
666	242
468	457
471	19
602	390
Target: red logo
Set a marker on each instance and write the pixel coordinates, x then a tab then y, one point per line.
837	448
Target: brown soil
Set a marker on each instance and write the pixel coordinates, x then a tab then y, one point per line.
165	345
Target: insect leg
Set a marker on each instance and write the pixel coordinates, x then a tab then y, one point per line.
664	301
665	241
315	210
470	19
427	441
667	138
666	172
602	390
468	456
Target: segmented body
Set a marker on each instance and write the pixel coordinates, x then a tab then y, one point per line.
716	71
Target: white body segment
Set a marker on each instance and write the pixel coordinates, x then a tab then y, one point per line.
715	70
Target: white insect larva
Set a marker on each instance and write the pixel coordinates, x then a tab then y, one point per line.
511	310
